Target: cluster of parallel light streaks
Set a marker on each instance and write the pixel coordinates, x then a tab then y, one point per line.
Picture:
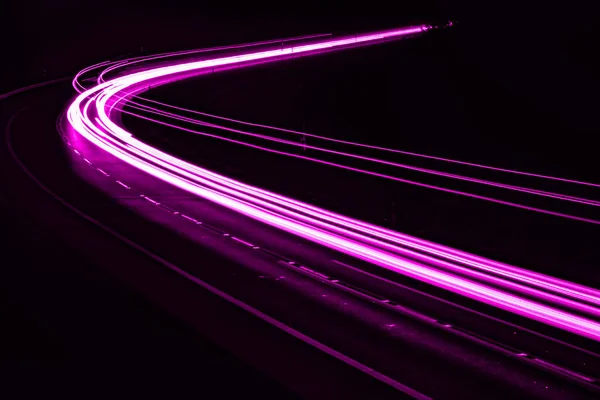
345	142
537	192
540	297
107	67
137	60
531	191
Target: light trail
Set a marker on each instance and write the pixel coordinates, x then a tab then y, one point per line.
131	61
547	194
487	267
111	66
90	115
367	146
515	188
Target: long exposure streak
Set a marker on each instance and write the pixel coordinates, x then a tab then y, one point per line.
547	194
546	299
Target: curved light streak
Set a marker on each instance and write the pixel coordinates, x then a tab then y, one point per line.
136	60
373	147
516	188
111	66
90	114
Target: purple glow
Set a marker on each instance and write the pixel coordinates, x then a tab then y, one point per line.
537	192
137	60
397	151
89	115
314	213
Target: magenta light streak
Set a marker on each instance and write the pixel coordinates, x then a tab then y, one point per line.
330	217
175	116
536	192
88	115
397	151
379	175
137	60
78	86
114	65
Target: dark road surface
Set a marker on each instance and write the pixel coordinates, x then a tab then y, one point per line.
89	296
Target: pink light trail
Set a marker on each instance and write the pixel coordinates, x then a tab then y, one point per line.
542	298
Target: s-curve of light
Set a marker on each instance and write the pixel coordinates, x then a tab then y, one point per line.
554	302
145	108
490	267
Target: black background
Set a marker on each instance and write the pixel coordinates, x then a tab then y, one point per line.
539	56
527	66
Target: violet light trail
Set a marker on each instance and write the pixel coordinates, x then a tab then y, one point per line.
89	116
314	212
129	62
379	148
111	66
536	192
137	59
398	179
186	119
516	188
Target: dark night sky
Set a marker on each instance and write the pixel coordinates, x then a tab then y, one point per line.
529	71
542	55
